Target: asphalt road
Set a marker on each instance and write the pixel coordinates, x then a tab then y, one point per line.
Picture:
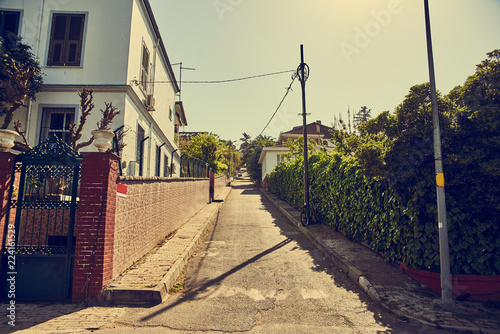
255	273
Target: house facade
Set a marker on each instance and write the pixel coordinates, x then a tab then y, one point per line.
113	47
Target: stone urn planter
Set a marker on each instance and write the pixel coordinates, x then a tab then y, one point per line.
102	139
7	139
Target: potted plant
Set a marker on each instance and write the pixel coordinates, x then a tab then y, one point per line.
102	135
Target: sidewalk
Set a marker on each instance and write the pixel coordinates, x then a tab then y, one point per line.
386	284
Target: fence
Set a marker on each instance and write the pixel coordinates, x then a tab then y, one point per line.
193	167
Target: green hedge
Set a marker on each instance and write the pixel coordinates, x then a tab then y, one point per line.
401	226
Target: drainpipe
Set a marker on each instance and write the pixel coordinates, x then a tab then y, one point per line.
38	38
142	142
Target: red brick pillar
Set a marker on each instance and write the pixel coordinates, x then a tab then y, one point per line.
211	193
95	225
7	162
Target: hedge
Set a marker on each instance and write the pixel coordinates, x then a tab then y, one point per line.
400	226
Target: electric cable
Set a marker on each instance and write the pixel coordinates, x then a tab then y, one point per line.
294	76
137	82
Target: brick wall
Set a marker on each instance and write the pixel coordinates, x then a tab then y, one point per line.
153	208
7	161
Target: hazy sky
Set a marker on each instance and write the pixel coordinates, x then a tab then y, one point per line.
360	52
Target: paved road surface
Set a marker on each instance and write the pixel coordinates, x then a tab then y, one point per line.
257	274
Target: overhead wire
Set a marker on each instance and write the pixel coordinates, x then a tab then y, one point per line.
218	81
288	89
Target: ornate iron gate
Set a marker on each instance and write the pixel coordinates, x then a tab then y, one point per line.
45	209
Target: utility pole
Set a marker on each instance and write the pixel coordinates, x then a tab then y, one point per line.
180	77
446	279
303	75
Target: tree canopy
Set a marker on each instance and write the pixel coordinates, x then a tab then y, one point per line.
20	76
218	153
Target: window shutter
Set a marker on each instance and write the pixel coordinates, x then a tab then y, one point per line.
66	40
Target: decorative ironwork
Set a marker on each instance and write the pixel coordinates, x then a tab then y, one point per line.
45	201
42	204
51	151
40	250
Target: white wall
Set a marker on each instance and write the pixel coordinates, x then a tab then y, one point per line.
162	90
271	160
105	41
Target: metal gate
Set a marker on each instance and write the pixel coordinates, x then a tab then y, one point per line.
45	204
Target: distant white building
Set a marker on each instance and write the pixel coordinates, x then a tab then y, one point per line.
115	48
270	157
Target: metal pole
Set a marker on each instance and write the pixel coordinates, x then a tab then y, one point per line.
304	124
446	279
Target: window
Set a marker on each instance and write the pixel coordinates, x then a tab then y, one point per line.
145	68
170	113
56	121
66	37
158	160
166	167
140	149
9	22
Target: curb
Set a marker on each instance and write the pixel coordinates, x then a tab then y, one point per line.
352	272
159	294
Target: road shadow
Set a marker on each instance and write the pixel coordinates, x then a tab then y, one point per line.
191	295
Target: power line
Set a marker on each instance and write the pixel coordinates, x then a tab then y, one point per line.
294	76
137	82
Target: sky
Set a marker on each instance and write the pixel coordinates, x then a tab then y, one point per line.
359	53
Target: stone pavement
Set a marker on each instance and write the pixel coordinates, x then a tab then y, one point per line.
386	284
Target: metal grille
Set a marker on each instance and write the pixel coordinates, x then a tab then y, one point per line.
44	203
193	167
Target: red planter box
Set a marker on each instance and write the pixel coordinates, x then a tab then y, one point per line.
482	288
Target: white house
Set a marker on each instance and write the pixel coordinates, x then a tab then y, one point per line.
272	156
114	47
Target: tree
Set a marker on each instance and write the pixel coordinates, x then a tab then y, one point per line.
296	147
363	115
252	155
218	153
20	76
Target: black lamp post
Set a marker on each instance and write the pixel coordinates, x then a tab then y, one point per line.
303	75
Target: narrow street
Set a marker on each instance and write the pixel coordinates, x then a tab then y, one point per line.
255	273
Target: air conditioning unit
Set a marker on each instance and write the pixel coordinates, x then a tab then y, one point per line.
150	103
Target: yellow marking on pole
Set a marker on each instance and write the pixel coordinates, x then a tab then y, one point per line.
440	179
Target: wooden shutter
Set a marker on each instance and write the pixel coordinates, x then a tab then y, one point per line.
145	68
66	37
